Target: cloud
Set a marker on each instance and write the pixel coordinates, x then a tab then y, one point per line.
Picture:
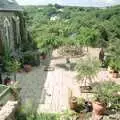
36	2
108	1
70	2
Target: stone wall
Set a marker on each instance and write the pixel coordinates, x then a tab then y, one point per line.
7	112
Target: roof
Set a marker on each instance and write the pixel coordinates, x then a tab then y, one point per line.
9	5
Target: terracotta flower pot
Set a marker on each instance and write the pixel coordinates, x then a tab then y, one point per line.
73	103
99	108
43	56
7	81
115	74
27	68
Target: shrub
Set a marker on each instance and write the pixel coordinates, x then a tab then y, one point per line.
28	112
87	68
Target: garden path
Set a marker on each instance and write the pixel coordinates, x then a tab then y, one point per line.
56	88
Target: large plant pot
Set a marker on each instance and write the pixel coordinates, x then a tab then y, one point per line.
73	103
27	68
99	108
7	81
115	74
43	56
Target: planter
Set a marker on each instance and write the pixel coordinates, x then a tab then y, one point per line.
73	103
7	81
43	56
115	74
27	68
99	108
85	89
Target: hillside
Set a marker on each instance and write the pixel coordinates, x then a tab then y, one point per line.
65	24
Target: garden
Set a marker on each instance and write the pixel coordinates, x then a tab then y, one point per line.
73	36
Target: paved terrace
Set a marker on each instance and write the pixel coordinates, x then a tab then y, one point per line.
49	90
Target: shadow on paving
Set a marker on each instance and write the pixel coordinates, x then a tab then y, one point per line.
32	84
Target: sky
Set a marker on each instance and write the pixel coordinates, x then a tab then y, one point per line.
97	3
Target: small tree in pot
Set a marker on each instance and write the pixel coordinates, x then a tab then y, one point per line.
114	51
87	69
105	96
115	66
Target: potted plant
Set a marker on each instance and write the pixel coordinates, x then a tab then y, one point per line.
27	63
43	55
27	67
104	96
114	51
87	69
99	105
12	66
44	52
115	66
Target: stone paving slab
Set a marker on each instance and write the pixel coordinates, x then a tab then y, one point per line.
57	92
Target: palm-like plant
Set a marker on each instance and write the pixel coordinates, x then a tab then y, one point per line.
12	66
87	69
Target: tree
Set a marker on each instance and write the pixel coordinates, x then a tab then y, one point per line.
87	36
93	26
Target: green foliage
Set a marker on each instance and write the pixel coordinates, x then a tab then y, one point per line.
68	114
27	112
106	92
2	88
88	36
81	103
77	26
114	52
12	65
114	49
87	68
115	64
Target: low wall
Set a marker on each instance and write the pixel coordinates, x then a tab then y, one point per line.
9	101
6	95
8	110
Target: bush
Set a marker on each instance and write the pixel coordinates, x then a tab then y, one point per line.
87	68
27	112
